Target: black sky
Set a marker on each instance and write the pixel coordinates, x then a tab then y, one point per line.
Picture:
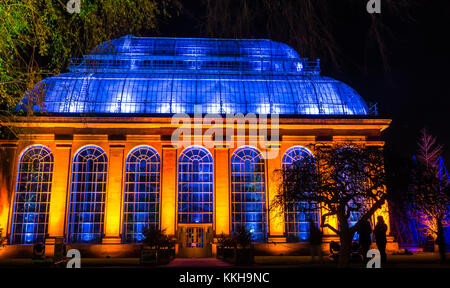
414	91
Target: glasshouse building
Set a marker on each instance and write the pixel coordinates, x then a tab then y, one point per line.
96	165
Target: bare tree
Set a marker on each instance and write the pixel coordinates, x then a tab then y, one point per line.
429	192
340	180
429	150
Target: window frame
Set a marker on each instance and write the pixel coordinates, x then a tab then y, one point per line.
71	213
237	217
191	212
156	223
298	235
37	236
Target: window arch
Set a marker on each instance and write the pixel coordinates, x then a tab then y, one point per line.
296	218
32	197
195	186
141	199
248	192
87	196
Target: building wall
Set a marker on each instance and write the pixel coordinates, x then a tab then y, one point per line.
7	162
118	136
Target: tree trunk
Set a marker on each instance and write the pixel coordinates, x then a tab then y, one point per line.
346	238
346	247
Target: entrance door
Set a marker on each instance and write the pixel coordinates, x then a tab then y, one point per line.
194	237
194	241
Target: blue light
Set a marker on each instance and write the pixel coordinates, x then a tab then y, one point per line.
139	237
29	238
141	197
32	198
195	186
297	218
354	218
138	75
87	237
87	196
248	195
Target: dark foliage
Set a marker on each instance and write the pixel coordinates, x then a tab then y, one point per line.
340	180
242	237
156	239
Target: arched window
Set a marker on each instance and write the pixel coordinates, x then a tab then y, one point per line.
195	186
298	215
248	192
87	196
141	201
32	197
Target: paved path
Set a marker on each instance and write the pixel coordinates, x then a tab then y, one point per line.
197	262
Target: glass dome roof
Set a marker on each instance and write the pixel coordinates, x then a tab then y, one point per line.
143	75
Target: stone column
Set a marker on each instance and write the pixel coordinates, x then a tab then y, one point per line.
60	189
114	194
8	170
275	216
169	189
222	190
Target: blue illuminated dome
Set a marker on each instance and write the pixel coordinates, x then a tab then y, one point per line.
146	75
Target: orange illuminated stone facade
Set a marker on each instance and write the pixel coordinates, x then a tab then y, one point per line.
117	136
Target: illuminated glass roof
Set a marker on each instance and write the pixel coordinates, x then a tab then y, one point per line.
144	75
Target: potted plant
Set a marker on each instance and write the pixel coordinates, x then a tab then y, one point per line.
2	239
243	250
157	248
225	246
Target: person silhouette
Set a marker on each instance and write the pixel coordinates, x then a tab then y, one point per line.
380	237
315	241
440	241
365	232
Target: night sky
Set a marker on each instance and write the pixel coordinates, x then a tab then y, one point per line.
413	89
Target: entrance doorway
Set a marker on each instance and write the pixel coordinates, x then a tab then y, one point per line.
195	241
194	237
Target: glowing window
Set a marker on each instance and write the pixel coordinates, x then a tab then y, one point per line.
87	197
248	192
355	216
298	216
195	186
32	198
141	202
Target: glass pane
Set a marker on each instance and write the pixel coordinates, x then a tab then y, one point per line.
141	199
87	197
248	192
195	186
32	197
298	216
